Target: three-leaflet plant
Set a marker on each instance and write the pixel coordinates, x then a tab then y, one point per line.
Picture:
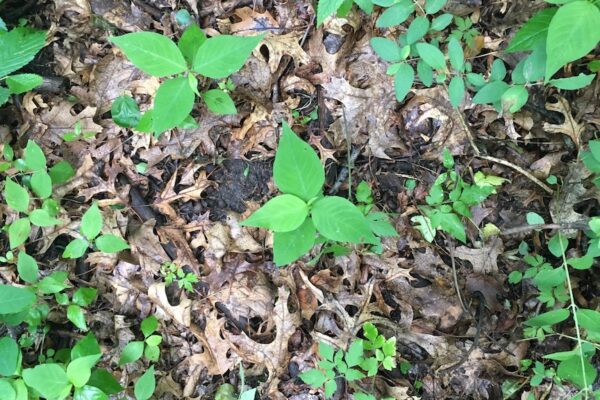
193	56
302	216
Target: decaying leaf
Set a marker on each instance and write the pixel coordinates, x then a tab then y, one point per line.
485	259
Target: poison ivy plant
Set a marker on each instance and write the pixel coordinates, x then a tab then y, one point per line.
302	216
193	56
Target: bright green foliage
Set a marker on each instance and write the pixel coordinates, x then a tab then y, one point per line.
149	347
157	55
363	359
77	133
450	200
17	48
327	8
171	272
302	212
145	385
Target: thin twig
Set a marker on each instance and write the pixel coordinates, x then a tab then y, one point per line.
518	169
528	228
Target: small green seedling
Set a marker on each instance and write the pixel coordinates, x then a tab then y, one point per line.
302	212
171	272
77	133
149	347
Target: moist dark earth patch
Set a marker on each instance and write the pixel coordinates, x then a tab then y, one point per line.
237	181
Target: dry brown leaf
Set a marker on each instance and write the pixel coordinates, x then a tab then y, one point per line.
485	259
61	118
179	313
252	21
147	247
285	45
569	127
573	192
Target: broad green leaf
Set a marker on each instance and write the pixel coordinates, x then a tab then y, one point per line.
125	112
15	196
149	325
423	224
249	394
15	299
338	219
145	125
88	346
223	55
4	95
290	246
396	14
380	225
365	5
534	219
131	352
297	169
514	98
456	55
354	355
403	81
535	65
18	232
425	73
41	184
432	56
105	381
581	263
330	388
28	268
91	222
441	22
456	91
75	249
192	38
54	283
10	356
549	318
313	377
417	29
110	243
490	93
80	369
173	103
433	6
22	83
42	218
18	47
558	245
326	351
533	31
326	8
573	83
50	380
154	340
145	385
77	317
452	224
89	393
61	172
151	352
573	33
386	49
498	71
550	278
283	213
589	319
151	52
577	371
84	296
7	391
219	102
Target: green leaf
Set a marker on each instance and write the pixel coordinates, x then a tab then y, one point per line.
80	369
380	225
154	340
290	246
403	81
42	218
61	172
297	169
50	380
152	353
18	232
87	346
574	82
425	73
125	112
105	381
22	83
145	385
131	352
18	47
514	98
558	245
354	355
577	371
573	33
534	219
423	225
28	268
219	102
547	279
432	56
76	316
330	388
4	95
326	8
84	296
581	263
456	54
91	222
7	392
338	219
313	377
417	29
441	22
149	325
151	52
456	91
396	14
365	5
10	356
75	249
41	184
15	299
533	31
589	320
535	65
549	318
223	55
89	393
433	6
53	283
173	103
281	214
249	394
386	49
451	223
110	243
190	42
498	71
15	196
326	351
490	93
